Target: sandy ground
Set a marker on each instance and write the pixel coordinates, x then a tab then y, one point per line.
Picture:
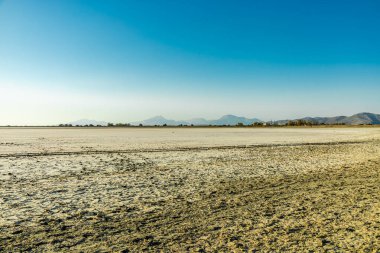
190	190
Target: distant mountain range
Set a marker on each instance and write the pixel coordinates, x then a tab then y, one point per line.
225	120
364	118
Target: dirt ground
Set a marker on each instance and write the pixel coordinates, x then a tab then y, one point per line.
190	190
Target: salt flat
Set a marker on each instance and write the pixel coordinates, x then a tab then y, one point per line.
190	189
25	140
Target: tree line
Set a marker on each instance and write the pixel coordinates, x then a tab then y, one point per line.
299	122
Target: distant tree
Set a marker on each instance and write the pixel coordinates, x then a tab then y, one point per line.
299	122
122	124
239	124
290	123
110	124
65	125
140	125
164	125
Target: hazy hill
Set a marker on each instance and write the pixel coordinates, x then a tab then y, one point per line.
198	122
159	120
83	122
363	118
225	120
232	120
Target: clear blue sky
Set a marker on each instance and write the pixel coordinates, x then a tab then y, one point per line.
123	61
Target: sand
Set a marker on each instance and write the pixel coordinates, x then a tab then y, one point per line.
190	190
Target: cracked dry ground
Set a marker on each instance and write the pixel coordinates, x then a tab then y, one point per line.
297	198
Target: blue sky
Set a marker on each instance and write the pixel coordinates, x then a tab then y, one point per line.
123	61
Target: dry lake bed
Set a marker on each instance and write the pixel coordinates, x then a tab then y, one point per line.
190	189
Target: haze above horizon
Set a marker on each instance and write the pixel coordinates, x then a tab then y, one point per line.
124	61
